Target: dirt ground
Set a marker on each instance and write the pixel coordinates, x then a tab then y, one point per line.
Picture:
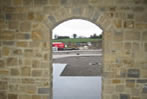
81	65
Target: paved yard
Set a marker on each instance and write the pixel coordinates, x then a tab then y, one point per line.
81	65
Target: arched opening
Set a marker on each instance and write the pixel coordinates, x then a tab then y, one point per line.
77	60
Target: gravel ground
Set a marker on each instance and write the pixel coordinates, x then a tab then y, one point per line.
81	66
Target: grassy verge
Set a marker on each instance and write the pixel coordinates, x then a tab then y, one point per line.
76	40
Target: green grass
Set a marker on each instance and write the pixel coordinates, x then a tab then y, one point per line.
76	40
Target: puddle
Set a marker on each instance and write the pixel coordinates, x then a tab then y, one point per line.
75	87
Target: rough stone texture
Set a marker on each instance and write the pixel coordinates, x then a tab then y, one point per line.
12	61
3	95
25	36
133	73
124	96
25	71
3	85
43	90
12	96
145	89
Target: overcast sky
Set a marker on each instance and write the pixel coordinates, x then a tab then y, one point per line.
76	26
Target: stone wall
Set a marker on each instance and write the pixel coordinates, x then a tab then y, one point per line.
25	45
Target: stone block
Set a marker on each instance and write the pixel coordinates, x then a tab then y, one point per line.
74	2
124	96
140	17
38	55
28	53
3	95
23	36
7	35
40	2
144	36
130	16
130	83
28	3
132	35
133	73
15	16
95	16
108	89
141	26
44	64
63	2
3	85
37	35
116	81
28	81
142	81
79	2
129	24
145	47
25	27
77	11
127	46
143	96
36	97
118	36
12	61
25	97
25	71
13	24
27	62
38	17
31	15
120	88
17	2
28	89
46	97
21	44
12	96
13	87
135	97
36	64
35	44
143	73
2	63
52	19
43	91
138	9
145	89
5	51
14	72
136	47
19	16
36	73
17	52
54	2
118	23
4	72
8	43
45	73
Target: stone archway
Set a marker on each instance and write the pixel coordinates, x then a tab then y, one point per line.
103	21
25	45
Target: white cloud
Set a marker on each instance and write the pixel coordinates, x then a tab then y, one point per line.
80	27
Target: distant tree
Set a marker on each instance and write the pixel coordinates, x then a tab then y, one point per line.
74	35
55	36
100	36
63	37
96	36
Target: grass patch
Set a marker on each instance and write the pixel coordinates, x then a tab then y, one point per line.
76	40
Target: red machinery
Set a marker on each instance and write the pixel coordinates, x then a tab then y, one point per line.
59	45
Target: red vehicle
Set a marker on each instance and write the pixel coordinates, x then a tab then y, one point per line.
59	45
